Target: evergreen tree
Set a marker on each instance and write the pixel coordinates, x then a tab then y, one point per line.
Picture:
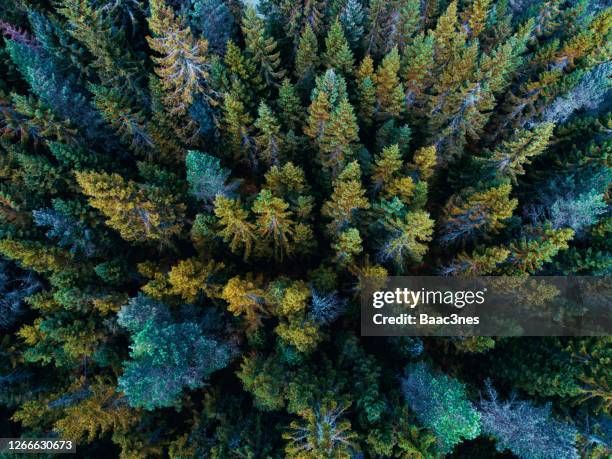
262	48
525	429
322	433
389	90
138	212
347	198
478	211
338	54
182	65
269	141
214	20
352	18
236	229
161	366
508	159
206	177
440	403
306	58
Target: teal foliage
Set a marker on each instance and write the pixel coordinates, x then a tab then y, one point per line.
166	357
440	402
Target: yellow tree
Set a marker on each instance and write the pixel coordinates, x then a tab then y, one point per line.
137	212
347	198
389	89
235	227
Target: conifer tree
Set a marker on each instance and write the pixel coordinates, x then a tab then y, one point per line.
338	54
318	117
347	198
407	22
214	20
139	213
206	177
389	90
270	143
508	159
246	297
183	183
379	19
367	90
408	237
475	17
440	403
322	433
182	65
481	262
262	48
339	134
274	222
424	162
238	127
306	58
417	68
236	229
290	106
478	211
352	18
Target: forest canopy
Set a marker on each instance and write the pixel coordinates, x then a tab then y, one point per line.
193	191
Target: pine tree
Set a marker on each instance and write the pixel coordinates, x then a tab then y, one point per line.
407	22
475	17
182	65
290	106
318	117
306	58
338	54
214	20
35	256
236	229
262	48
525	429
137	212
478	211
387	165
352	18
530	252
274	222
269	141
508	159
389	90
481	262
348	246
161	366
448	40
238	125
340	133
206	177
347	197
417	67
322	433
245	297
440	403
367	90
379	19
407	238
424	162
190	277
130	125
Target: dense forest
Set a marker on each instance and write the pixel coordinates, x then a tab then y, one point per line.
192	193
